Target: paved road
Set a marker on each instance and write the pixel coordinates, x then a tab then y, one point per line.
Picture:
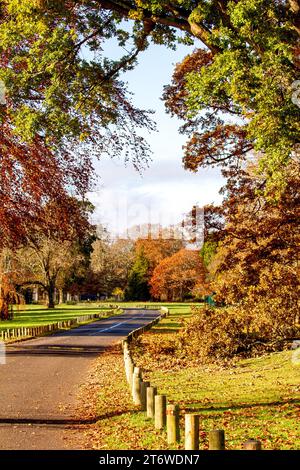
41	379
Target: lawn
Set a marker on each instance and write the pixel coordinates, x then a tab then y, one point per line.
252	398
39	315
257	398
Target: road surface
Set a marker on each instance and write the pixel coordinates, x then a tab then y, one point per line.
41	378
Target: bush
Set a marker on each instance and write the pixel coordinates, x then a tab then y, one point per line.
221	333
211	334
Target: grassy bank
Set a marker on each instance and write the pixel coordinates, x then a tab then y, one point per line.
257	398
251	398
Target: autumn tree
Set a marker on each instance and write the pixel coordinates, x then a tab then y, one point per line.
177	276
111	262
46	263
254	272
257	263
138	282
9	295
32	176
54	248
50	130
156	249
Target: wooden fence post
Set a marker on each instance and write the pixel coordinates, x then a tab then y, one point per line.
151	392
252	444
129	369
217	439
160	402
138	371
144	386
173	432
191	432
136	390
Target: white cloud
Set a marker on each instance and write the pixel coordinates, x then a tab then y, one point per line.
164	193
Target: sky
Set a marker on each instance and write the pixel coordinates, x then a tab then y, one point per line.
164	191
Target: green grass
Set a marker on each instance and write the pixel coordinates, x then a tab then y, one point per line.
257	398
38	315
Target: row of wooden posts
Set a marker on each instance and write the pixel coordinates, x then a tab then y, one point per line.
165	415
23	332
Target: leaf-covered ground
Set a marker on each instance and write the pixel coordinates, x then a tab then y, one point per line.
105	400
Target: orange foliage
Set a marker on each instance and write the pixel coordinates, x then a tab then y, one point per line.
178	275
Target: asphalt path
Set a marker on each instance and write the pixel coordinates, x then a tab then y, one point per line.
40	381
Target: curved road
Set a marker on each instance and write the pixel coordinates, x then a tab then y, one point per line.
41	379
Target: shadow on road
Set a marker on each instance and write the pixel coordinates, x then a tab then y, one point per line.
57	350
61	421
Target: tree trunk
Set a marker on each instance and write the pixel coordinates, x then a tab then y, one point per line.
50	291
5	311
61	296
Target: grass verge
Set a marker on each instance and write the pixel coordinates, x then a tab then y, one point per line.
36	315
252	398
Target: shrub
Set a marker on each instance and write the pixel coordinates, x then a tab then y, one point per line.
221	333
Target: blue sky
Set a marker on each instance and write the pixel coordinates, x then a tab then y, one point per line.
165	191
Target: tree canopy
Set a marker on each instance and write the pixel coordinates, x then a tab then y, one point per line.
178	276
235	93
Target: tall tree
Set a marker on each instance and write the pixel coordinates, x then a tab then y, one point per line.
137	286
53	247
178	275
111	263
9	295
32	176
155	250
257	263
47	263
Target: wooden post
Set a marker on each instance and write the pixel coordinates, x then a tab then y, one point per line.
252	444
173	432
160	402
129	370
144	386
191	432
151	392
136	390
138	371
217	439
